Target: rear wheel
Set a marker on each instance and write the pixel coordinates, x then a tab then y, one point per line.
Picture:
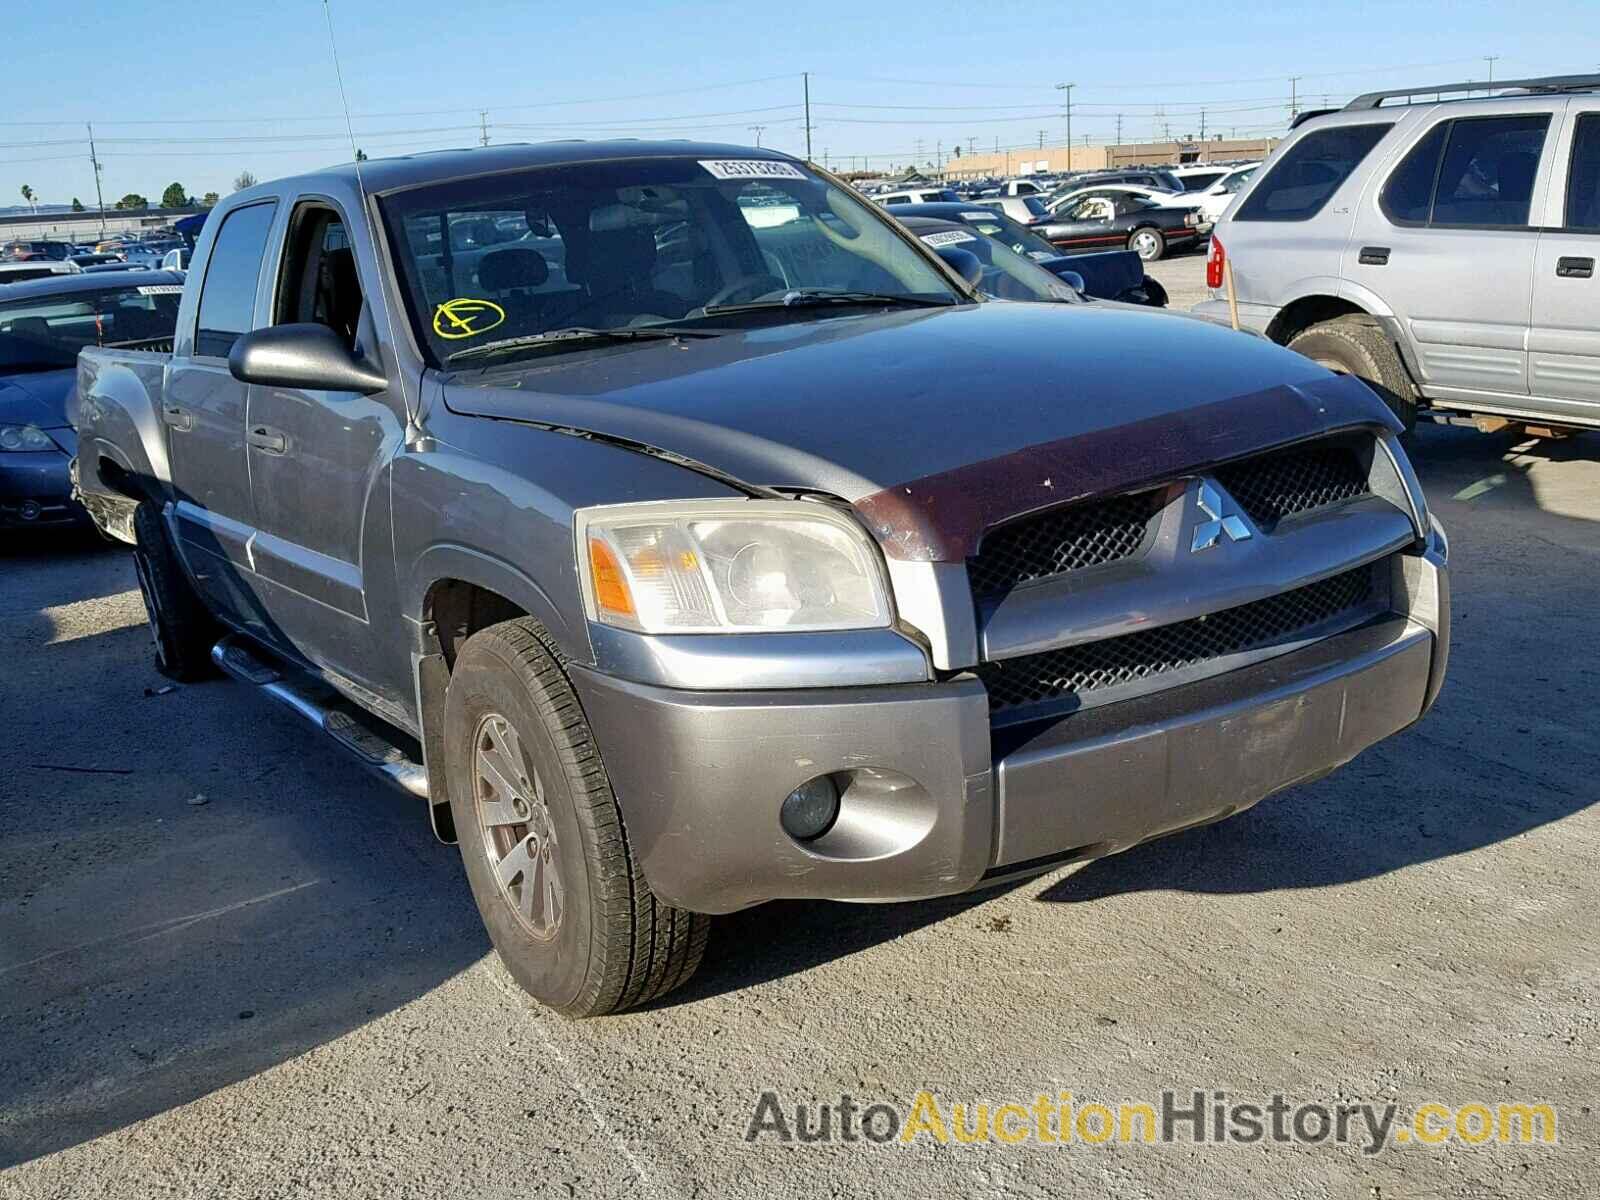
1148	243
180	627
1357	345
542	837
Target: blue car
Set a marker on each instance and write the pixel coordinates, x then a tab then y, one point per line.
43	325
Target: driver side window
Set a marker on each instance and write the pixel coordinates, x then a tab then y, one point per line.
319	283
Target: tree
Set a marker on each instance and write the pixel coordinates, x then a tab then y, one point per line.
209	200
244	180
133	201
174	196
361	155
77	205
28	197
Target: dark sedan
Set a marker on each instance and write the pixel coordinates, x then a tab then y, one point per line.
1099	220
1110	275
43	325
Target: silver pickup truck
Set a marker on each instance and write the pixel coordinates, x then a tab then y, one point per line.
688	535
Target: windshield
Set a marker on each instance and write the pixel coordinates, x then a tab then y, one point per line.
1009	233
48	331
637	243
1007	275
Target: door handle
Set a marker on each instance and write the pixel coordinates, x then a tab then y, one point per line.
178	418
269	440
1574	268
1374	256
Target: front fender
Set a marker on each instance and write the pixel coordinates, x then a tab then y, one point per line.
449	560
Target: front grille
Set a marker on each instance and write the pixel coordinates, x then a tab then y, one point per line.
1057	675
1062	540
1298	479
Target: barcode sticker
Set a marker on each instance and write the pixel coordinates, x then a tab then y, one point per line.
953	237
161	289
751	168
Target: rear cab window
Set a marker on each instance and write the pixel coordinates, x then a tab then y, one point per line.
228	295
1299	184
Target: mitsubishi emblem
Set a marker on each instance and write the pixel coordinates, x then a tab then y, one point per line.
1209	532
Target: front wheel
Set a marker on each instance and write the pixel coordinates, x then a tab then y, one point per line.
1149	244
542	837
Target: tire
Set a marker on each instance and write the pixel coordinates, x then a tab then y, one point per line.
180	627
1357	345
1148	242
574	921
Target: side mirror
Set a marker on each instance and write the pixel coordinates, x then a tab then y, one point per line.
307	356
964	262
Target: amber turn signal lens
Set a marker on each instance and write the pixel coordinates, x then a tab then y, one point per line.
611	592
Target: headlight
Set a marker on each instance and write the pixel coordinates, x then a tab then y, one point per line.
24	437
728	567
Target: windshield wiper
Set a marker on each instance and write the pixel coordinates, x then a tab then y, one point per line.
817	297
575	336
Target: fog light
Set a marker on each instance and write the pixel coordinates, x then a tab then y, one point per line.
30	510
809	811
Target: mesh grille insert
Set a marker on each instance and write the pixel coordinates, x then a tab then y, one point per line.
1299	479
1065	539
1073	670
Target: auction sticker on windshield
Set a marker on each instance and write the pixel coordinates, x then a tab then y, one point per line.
953	237
465	317
161	289
751	168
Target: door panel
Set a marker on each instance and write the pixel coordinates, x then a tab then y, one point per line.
1564	343
318	468
203	411
1447	237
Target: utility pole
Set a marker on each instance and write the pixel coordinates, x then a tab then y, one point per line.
1067	88
1119	129
483	126
825	166
1041	139
1294	97
806	76
938	156
1202	124
99	199
972	145
919	152
756	129
1490	59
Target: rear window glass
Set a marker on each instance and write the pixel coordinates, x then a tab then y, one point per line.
1583	180
1310	171
228	299
1408	196
1489	166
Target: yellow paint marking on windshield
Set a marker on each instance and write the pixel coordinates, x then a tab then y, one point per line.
464	317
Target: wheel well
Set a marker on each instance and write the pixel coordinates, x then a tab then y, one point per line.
1305	312
458	609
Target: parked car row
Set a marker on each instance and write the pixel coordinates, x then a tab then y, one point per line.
1147	211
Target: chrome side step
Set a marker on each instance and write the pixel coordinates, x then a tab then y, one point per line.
325	709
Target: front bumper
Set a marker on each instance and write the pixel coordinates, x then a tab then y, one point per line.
36	490
935	802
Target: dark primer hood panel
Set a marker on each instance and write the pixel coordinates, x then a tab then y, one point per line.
935	423
942	517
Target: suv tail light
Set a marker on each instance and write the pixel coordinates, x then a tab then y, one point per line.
1214	262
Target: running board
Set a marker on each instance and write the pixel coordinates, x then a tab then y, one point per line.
325	709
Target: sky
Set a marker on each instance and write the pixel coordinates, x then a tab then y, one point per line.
197	93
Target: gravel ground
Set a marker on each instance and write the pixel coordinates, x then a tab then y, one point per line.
232	965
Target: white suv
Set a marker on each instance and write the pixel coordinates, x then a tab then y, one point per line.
1441	251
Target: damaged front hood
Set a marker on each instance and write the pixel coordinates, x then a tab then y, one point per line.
937	423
